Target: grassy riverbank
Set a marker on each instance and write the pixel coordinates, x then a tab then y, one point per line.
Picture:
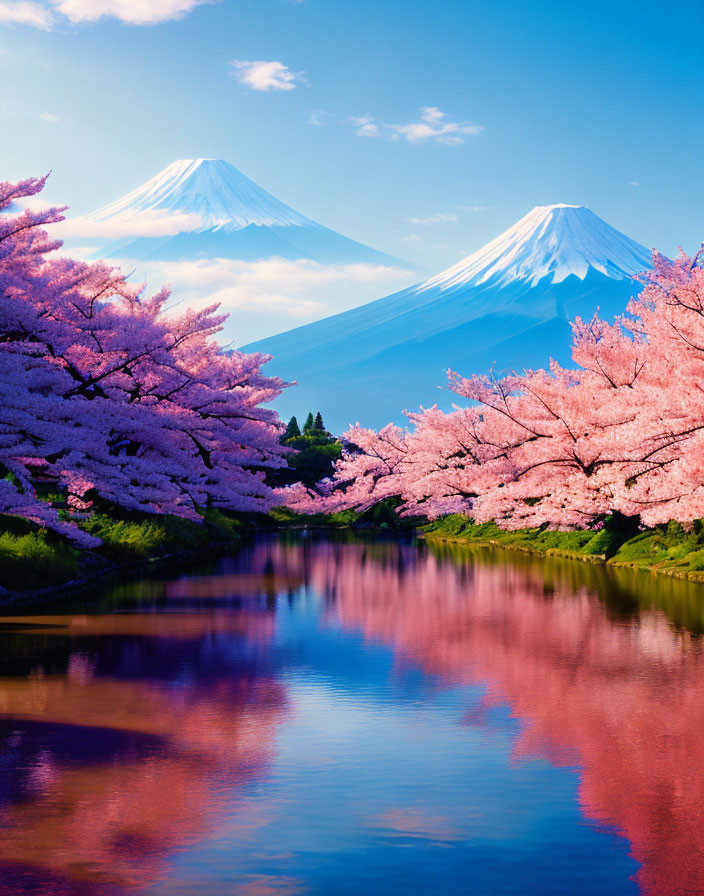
379	516
664	549
32	558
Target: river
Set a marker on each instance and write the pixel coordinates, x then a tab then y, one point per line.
356	716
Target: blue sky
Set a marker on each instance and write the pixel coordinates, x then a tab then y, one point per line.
593	103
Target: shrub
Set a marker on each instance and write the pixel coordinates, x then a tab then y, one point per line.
605	542
32	561
127	539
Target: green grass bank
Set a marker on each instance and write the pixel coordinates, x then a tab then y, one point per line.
667	549
33	559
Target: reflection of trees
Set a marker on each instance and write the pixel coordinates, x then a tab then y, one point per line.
601	682
134	750
125	735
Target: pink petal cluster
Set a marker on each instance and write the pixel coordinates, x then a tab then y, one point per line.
623	431
104	394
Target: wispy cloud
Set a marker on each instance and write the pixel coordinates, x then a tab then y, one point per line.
35	203
452	217
437	218
317	117
365	126
635	183
26	13
135	12
132	12
148	224
265	76
433	126
436	126
269	293
475	208
50	118
411	238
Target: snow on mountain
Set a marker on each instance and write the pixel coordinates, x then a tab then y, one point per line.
505	307
553	241
214	235
206	208
212	190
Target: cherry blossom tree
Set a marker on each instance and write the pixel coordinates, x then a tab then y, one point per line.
104	393
621	432
368	473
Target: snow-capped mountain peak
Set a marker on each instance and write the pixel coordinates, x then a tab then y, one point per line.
553	241
205	212
210	193
506	307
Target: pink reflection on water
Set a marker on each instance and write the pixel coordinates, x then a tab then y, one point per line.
623	699
107	825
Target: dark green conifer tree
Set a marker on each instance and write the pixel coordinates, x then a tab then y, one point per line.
315	452
292	430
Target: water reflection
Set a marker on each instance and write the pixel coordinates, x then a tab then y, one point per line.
123	739
607	685
262	723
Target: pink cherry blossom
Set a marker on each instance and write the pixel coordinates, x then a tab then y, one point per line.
622	431
104	393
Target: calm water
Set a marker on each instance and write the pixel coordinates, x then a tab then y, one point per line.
360	717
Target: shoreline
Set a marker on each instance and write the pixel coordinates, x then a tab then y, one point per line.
694	576
108	572
104	571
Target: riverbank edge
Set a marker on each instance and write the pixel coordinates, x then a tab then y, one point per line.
101	571
694	576
109	572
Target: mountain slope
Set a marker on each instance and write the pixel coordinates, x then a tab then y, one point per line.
506	306
206	208
553	241
211	188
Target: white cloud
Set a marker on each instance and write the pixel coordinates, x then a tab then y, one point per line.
26	12
316	117
411	238
148	223
432	114
132	12
265	76
437	218
270	295
448	217
50	118
365	126
474	209
635	183
434	126
35	203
